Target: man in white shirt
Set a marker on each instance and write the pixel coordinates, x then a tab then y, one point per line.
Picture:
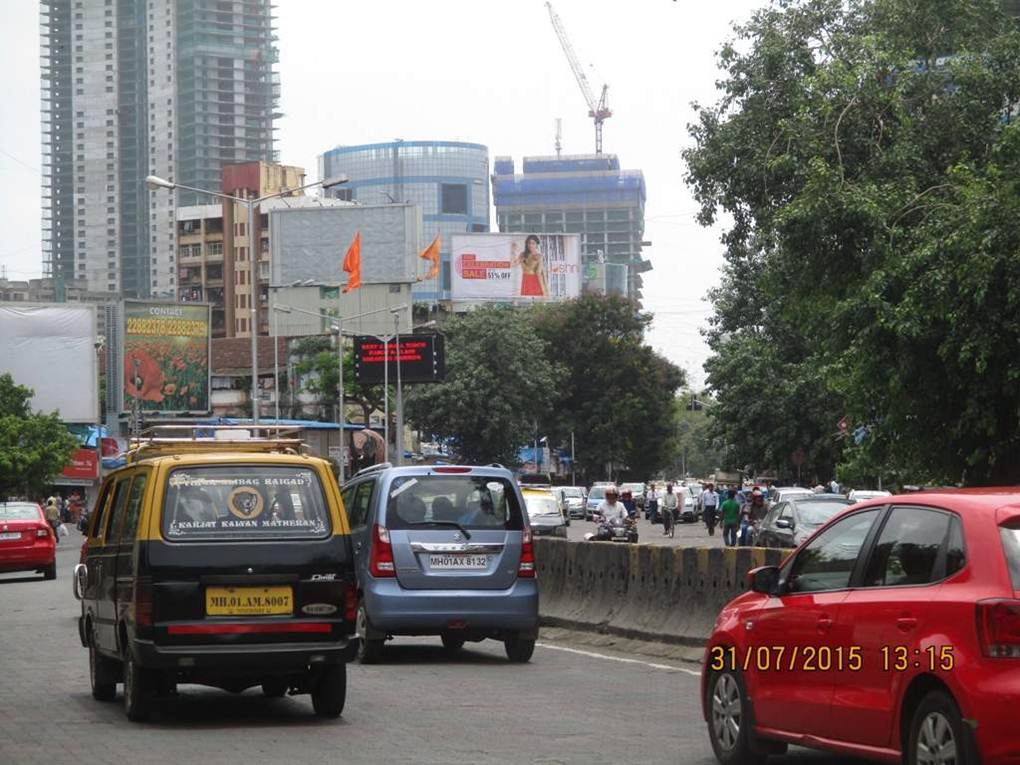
612	509
709	507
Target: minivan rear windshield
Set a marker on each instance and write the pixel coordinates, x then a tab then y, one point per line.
1011	545
472	502
244	503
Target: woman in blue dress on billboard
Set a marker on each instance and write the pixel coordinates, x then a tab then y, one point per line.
533	278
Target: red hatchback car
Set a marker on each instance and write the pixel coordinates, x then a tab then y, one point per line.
26	540
892	633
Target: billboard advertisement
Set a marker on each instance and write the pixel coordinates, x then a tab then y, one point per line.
515	267
84	465
422	359
308	243
165	357
51	349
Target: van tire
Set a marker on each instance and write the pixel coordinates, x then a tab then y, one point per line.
330	691
369	648
274	689
101	672
518	649
138	696
452	643
50	572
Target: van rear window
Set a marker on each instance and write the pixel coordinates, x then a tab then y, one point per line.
244	503
472	502
1011	545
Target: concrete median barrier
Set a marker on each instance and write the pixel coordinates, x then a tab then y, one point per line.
641	592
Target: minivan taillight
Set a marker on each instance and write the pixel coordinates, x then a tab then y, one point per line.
350	602
142	597
380	557
527	567
998	623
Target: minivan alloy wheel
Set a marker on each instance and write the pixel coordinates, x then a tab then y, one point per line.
726	711
936	744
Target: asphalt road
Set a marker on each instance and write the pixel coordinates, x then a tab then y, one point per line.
569	705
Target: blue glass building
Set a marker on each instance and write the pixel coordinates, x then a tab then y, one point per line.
581	194
448	179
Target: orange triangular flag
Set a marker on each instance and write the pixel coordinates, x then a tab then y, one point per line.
431	254
352	263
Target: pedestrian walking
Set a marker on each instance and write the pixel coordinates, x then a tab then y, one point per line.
669	505
52	513
709	507
730	518
652	504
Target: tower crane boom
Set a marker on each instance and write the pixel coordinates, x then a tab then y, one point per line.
599	110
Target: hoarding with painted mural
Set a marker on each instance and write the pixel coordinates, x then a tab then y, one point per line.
166	357
515	267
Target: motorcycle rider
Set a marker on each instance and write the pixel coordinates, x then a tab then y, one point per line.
611	509
752	514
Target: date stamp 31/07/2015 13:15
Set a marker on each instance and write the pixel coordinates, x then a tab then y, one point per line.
824	658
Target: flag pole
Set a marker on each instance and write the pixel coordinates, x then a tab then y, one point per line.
340	367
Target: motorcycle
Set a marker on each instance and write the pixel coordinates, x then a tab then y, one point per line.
610	532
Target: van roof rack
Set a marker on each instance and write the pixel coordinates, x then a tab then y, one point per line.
373	468
165	440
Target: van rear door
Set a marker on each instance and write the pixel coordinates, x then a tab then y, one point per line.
249	553
454	528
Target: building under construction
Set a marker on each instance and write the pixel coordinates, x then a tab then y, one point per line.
584	194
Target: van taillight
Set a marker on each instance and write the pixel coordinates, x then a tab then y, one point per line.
998	623
380	558
350	602
143	605
527	567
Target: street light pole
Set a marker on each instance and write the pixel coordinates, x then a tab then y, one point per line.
340	379
399	441
386	397
276	358
253	260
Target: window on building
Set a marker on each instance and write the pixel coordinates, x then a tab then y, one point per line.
454	198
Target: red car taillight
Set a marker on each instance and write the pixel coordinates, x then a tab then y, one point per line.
350	602
527	567
43	532
998	623
380	557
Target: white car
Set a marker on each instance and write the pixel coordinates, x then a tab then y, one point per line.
862	495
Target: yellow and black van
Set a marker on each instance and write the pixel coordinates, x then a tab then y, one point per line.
224	561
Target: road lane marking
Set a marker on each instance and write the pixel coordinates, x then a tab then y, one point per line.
593	655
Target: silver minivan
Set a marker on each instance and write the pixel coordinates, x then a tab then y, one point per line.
442	550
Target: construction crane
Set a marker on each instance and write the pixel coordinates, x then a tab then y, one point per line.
598	111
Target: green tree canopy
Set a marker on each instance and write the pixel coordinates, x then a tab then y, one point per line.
33	447
616	395
867	153
500	383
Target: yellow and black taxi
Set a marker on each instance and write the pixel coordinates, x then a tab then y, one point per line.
223	561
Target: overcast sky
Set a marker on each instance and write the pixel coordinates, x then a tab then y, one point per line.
486	71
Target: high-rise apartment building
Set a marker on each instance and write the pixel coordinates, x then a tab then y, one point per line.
130	88
449	180
584	194
214	246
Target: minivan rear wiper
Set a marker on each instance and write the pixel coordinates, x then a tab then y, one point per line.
465	532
